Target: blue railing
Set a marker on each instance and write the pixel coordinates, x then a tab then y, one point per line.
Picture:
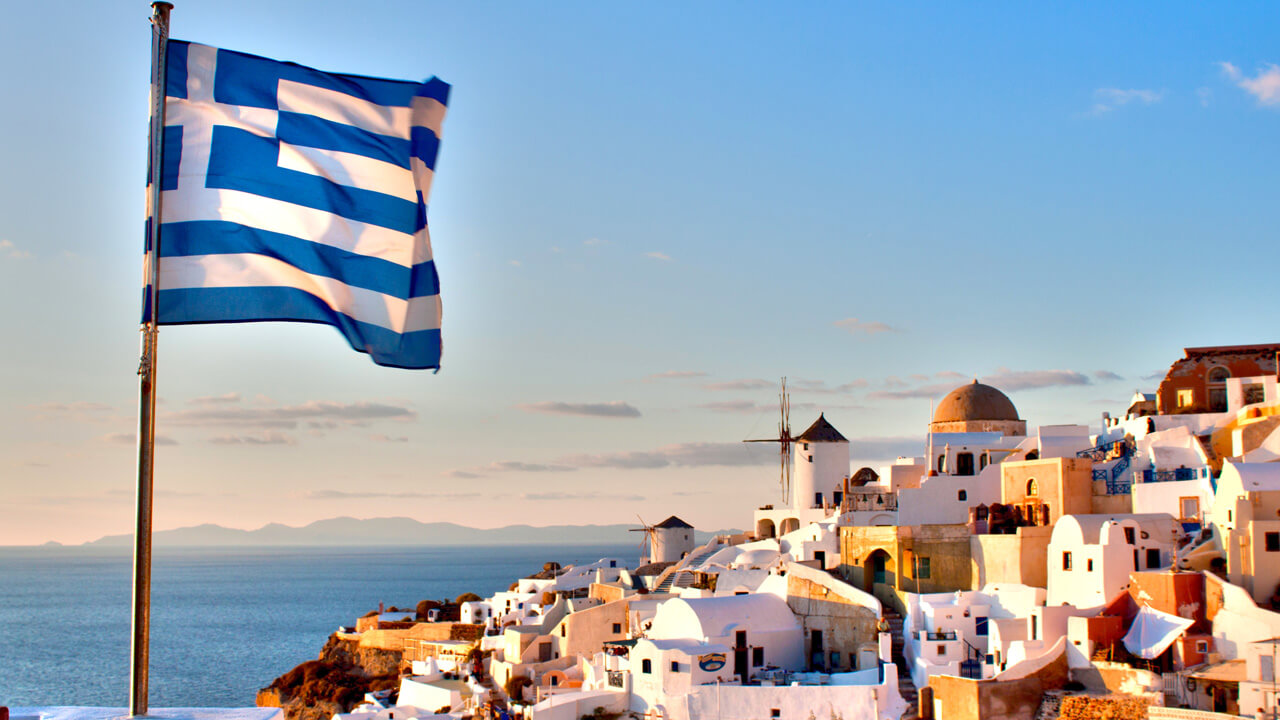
1113	476
1152	475
1105	451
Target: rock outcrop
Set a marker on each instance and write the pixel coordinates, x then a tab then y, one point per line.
333	683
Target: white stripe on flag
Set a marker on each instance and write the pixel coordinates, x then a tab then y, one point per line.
199	203
348	169
342	108
428	113
250	270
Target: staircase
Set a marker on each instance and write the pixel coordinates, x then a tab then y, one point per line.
906	686
1050	705
682	577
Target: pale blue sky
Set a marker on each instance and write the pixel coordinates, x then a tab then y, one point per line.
1046	196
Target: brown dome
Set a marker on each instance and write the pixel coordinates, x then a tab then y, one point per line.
974	402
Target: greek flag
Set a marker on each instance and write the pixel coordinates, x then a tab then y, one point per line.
294	194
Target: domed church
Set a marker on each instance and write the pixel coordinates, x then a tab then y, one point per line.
977	408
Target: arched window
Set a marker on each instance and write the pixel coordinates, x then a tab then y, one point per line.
646	666
942	463
1217	388
1032	488
983	459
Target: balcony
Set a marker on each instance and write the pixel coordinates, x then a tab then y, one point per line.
1152	475
878	501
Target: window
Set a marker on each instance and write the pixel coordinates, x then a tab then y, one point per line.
1219	375
810	458
983	460
775	713
646	666
1088	565
962	495
1032	488
942	650
817	499
1271	541
1189	507
804	446
564	630
922	567
1153	558
942	463
1186	398
613	563
1128	535
1254	393
980	626
964	463
1066	561
757	657
1202	647
617	628
675	666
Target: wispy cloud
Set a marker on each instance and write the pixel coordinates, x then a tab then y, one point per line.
1264	87
885	448
463	474
674	375
682	455
289	416
737	385
515	466
8	249
1108	99
1011	380
737	407
561	496
615	409
1106	375
932	390
366	494
389	438
950	375
658	256
269	437
591	242
864	327
132	439
224	399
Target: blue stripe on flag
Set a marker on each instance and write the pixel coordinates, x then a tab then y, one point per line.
251	80
240	160
314	132
425	144
171	157
175	82
216	237
434	88
414	350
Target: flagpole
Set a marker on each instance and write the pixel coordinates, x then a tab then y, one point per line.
141	642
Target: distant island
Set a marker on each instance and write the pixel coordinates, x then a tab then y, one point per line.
347	531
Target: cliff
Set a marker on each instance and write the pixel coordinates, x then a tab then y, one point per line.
333	683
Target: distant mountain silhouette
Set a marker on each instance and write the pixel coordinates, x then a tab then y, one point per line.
390	531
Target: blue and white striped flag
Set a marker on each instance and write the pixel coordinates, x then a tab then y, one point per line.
295	194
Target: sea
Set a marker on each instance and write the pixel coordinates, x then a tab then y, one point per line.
224	621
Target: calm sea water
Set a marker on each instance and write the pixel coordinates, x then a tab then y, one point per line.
224	622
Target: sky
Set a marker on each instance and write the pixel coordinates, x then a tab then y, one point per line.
644	215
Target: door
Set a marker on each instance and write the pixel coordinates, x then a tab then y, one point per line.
740	654
815	649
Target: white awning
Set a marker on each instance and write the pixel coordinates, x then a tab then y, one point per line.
1153	632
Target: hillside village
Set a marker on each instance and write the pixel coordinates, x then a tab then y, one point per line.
1127	570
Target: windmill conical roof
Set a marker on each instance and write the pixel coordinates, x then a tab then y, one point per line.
673	522
822	431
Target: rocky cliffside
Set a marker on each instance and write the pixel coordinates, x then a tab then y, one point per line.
334	682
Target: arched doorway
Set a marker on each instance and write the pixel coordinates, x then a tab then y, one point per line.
765	529
789	525
879	574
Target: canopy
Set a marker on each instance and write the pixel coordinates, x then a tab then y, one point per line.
1152	632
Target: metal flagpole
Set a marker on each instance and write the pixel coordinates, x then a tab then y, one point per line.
141	643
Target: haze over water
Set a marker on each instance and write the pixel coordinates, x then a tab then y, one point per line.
225	622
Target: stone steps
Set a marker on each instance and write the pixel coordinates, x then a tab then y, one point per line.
906	686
